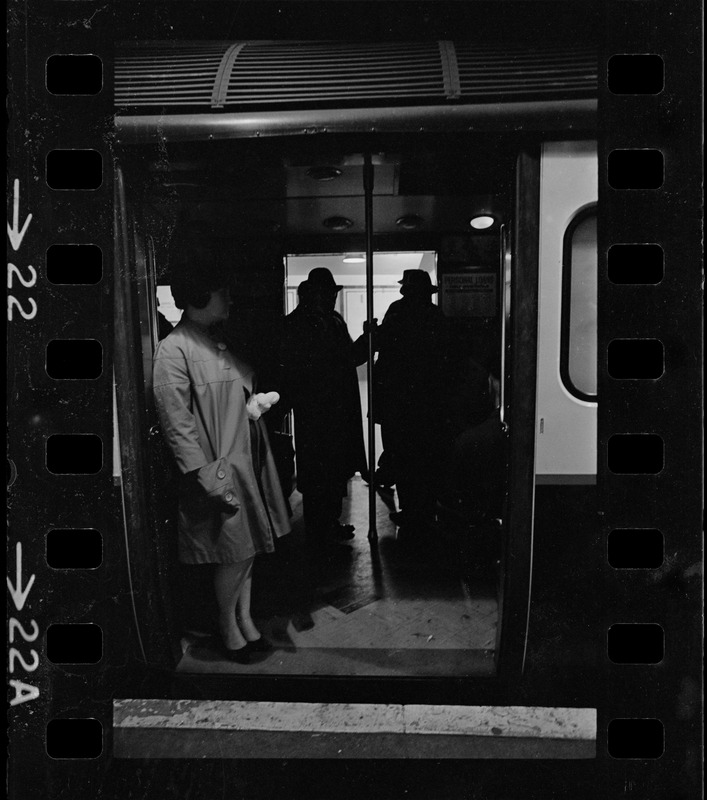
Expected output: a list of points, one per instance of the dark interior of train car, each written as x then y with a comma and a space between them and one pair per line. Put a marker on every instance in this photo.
267, 211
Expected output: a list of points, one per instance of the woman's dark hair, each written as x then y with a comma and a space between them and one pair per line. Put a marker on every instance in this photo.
193, 287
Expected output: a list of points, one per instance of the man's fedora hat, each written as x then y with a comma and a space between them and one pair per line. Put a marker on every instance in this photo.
418, 279
321, 278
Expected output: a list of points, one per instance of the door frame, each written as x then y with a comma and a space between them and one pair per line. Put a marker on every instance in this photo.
144, 529
521, 382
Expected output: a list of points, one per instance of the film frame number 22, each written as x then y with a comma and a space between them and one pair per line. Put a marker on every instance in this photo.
18, 591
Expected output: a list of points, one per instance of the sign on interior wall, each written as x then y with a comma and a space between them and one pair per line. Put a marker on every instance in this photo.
469, 294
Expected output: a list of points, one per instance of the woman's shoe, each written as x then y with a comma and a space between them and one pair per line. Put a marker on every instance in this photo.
261, 645
249, 654
240, 655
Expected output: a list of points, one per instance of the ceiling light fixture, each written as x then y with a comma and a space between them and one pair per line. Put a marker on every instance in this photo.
482, 222
323, 173
337, 223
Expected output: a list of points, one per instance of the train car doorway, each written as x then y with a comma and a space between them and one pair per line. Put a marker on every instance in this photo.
455, 213
362, 609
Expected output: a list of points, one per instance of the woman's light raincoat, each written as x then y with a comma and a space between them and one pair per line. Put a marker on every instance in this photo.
230, 502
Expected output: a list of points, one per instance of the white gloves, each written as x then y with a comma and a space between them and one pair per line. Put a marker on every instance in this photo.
259, 403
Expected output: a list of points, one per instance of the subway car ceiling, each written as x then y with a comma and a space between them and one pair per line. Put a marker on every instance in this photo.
260, 199
226, 137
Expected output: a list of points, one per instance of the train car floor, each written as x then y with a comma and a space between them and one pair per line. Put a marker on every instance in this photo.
358, 608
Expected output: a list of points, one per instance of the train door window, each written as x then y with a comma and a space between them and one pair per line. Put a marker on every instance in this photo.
578, 354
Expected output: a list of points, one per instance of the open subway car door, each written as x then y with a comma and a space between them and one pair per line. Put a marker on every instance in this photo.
142, 468
192, 157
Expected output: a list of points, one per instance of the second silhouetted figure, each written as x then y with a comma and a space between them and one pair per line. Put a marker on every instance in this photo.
319, 362
411, 380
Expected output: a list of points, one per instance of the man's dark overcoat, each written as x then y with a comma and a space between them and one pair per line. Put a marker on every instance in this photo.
410, 375
320, 382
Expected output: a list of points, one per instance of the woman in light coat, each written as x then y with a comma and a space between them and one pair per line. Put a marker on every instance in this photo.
231, 505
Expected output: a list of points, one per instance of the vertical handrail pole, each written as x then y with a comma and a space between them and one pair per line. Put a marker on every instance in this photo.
368, 198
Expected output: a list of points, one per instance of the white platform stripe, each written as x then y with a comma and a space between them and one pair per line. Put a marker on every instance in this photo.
360, 718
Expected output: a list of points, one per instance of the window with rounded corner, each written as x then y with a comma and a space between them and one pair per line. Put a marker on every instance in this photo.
578, 347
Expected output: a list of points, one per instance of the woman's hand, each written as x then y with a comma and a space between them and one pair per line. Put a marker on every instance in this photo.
216, 480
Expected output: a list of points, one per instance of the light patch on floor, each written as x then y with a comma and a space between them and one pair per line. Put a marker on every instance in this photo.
377, 614
401, 623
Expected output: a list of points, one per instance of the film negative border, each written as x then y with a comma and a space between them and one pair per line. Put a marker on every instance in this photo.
61, 497
651, 714
52, 505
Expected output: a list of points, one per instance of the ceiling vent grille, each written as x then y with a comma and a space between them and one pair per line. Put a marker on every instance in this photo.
168, 74
518, 71
246, 75
335, 72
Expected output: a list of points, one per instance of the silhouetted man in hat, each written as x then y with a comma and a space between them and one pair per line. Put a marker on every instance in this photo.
410, 374
319, 362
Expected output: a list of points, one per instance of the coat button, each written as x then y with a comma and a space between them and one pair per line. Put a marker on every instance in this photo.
228, 497
220, 474
221, 346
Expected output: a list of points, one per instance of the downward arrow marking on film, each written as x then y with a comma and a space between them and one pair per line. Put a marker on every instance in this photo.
19, 595
15, 233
